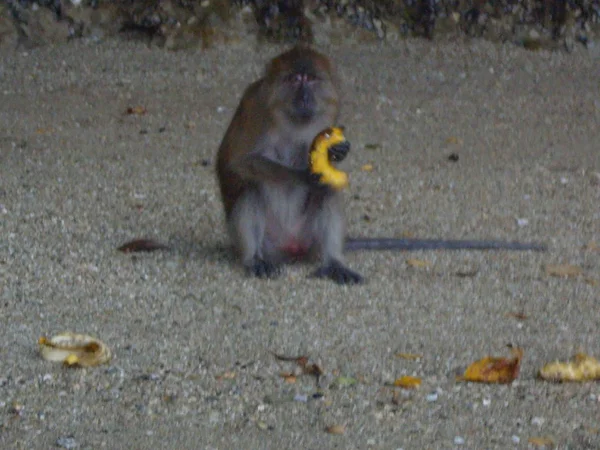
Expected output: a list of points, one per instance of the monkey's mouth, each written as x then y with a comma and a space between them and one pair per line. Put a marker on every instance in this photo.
303, 113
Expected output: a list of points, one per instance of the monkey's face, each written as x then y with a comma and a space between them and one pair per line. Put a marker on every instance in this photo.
302, 88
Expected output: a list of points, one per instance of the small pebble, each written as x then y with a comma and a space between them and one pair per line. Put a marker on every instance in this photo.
539, 421
516, 439
301, 398
432, 397
487, 402
522, 222
459, 440
67, 442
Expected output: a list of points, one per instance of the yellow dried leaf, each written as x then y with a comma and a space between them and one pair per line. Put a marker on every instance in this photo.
367, 168
419, 263
336, 429
581, 368
453, 140
541, 441
409, 356
494, 370
563, 270
74, 350
408, 382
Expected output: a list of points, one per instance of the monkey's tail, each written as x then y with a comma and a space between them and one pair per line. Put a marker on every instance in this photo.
353, 244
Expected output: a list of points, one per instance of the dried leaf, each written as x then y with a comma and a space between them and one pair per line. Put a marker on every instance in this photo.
454, 140
367, 168
581, 368
408, 382
419, 263
372, 146
313, 369
517, 315
303, 362
142, 245
592, 246
229, 375
344, 382
288, 377
541, 442
336, 429
467, 273
562, 270
494, 370
74, 350
409, 356
137, 110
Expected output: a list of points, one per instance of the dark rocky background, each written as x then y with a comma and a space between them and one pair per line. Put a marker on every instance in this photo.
179, 24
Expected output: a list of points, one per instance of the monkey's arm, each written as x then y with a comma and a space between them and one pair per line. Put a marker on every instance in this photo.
259, 168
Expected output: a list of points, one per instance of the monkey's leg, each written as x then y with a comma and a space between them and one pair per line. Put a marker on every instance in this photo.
247, 229
329, 230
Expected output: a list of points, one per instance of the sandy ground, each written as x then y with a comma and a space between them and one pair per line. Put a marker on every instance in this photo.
193, 337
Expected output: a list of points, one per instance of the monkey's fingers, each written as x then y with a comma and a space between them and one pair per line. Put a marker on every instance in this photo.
339, 151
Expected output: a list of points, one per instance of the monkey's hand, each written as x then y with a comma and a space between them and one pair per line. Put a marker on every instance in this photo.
339, 151
329, 145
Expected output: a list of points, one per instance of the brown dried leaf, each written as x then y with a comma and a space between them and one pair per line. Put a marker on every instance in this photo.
563, 270
517, 315
142, 245
303, 362
229, 375
136, 110
313, 369
494, 370
336, 429
592, 246
288, 377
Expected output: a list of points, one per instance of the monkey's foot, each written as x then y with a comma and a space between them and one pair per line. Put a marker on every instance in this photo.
339, 273
262, 269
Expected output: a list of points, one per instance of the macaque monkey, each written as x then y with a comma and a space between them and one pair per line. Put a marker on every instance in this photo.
276, 212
